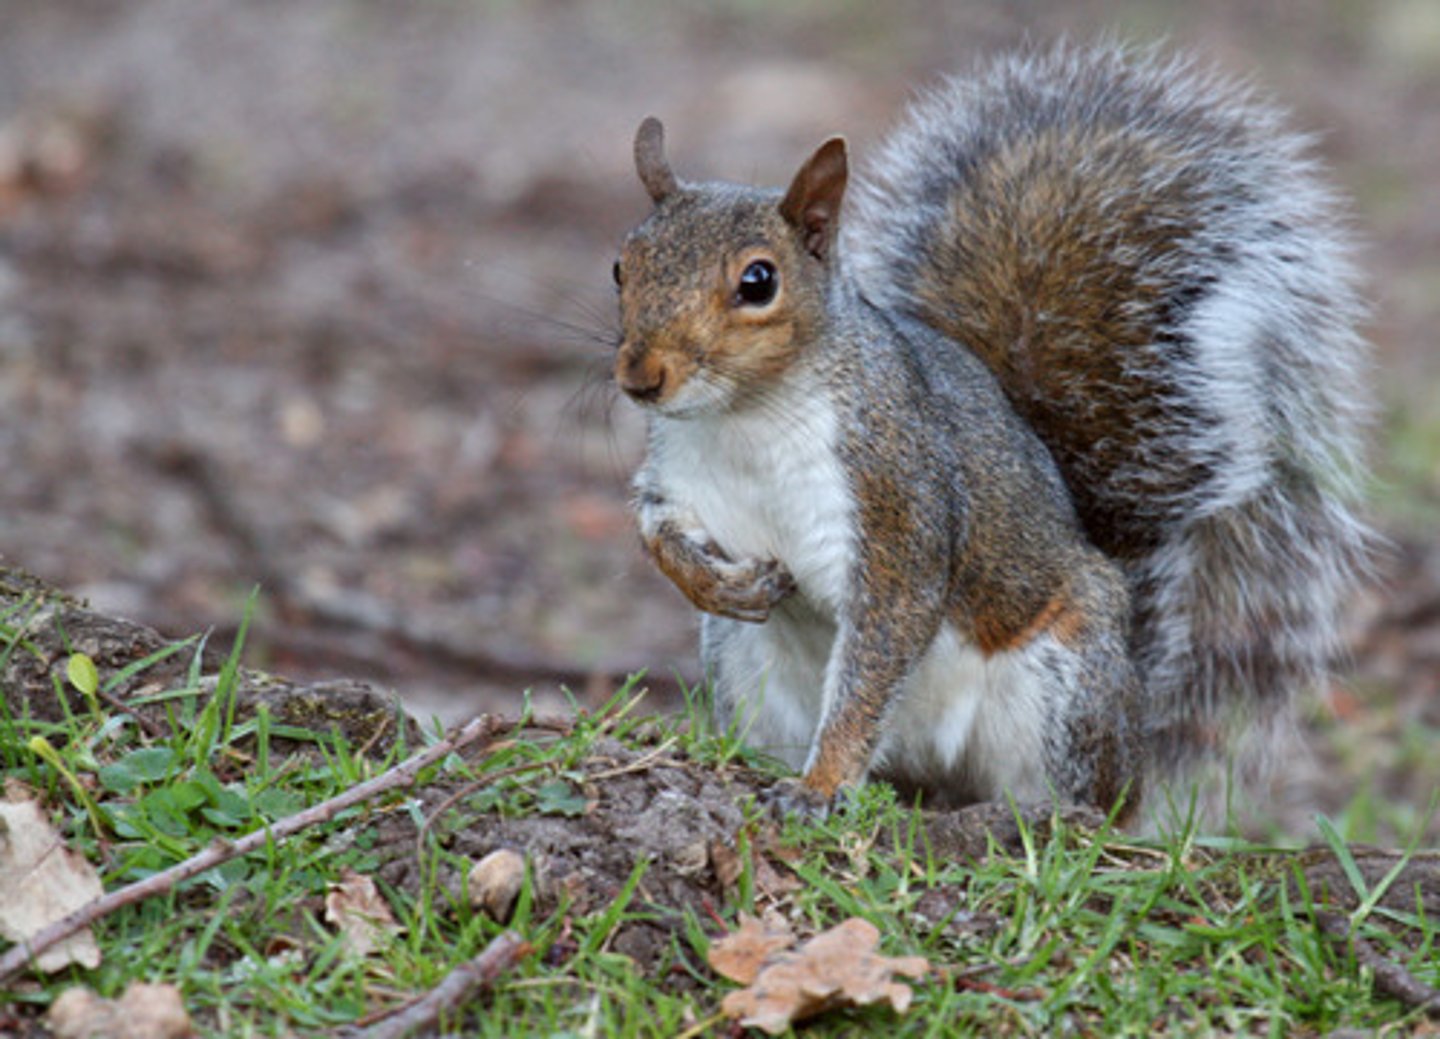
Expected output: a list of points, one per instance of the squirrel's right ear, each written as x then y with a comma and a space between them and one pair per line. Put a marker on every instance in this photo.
650, 162
812, 205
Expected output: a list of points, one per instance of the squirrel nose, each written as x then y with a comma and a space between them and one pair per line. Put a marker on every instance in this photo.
641, 382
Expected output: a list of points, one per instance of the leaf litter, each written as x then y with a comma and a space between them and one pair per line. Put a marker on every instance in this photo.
355, 907
142, 1012
42, 881
838, 967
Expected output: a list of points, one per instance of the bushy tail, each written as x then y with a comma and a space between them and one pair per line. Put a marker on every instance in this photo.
1152, 266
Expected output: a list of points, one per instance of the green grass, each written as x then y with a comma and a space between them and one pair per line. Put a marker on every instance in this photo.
1078, 932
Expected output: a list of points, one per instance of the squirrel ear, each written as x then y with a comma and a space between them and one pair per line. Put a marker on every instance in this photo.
650, 161
812, 205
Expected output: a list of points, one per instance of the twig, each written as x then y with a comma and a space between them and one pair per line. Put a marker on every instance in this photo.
558, 724
1390, 977
701, 1027
150, 728
484, 727
487, 780
973, 984
474, 974
638, 765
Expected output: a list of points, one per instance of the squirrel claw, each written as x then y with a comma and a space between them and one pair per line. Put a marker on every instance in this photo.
747, 591
790, 796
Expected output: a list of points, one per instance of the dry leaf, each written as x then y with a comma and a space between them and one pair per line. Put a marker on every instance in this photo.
739, 955
355, 907
771, 882
43, 881
941, 905
838, 967
142, 1012
730, 864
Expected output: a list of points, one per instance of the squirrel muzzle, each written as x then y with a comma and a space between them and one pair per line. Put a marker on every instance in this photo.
640, 374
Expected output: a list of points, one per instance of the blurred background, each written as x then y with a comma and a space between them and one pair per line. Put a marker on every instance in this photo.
316, 296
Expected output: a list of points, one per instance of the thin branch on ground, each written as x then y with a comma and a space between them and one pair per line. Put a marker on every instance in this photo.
487, 780
485, 727
550, 723
1390, 977
148, 726
472, 976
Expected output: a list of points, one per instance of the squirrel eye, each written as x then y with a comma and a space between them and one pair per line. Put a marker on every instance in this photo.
759, 282
615, 273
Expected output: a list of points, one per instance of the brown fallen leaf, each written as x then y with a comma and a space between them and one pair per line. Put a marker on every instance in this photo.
142, 1012
740, 954
838, 967
729, 865
355, 908
771, 882
43, 881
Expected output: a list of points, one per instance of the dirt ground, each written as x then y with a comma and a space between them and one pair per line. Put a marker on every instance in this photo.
316, 297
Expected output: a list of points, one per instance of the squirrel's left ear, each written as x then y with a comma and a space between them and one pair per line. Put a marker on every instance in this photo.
812, 205
650, 161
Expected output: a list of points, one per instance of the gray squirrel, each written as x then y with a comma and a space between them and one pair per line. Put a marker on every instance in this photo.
1020, 466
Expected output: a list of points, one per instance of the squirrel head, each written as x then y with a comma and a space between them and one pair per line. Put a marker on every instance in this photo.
722, 287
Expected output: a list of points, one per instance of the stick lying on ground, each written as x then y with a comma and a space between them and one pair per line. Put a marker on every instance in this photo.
477, 973
1391, 978
485, 727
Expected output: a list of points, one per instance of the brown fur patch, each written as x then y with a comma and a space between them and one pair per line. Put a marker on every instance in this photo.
996, 633
845, 747
827, 776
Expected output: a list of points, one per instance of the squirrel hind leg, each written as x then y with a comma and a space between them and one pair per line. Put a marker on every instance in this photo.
1094, 748
1051, 719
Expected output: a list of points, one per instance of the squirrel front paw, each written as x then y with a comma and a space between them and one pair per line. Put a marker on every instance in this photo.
790, 796
745, 591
